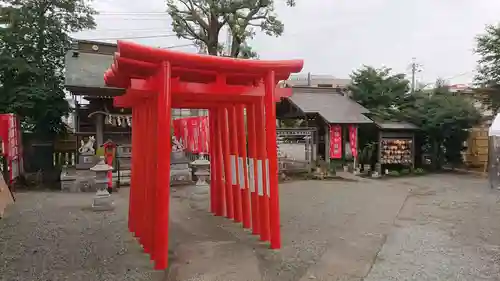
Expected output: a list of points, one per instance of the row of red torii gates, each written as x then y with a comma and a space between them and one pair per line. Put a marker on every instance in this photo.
243, 183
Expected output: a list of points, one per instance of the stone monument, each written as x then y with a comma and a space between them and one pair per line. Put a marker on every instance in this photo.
86, 154
102, 200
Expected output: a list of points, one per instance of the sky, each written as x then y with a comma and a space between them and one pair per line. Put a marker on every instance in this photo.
335, 37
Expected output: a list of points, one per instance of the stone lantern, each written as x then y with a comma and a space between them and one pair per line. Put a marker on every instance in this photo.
201, 189
102, 199
201, 167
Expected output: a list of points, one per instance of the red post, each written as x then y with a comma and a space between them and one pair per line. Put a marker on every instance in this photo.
243, 166
261, 171
219, 161
137, 171
133, 179
213, 160
253, 173
272, 155
164, 149
233, 139
224, 133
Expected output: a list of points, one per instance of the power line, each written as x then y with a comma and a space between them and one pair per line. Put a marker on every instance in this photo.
127, 29
133, 37
131, 13
141, 19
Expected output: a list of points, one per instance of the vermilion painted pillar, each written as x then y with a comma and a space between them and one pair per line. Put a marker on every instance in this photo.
252, 171
243, 166
224, 132
146, 242
272, 155
164, 149
219, 160
138, 171
261, 171
213, 161
233, 146
153, 173
132, 209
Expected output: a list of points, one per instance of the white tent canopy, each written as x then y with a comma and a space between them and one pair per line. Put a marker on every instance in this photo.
495, 127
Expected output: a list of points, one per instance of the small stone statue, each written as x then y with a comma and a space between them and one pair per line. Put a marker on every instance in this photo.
88, 147
176, 145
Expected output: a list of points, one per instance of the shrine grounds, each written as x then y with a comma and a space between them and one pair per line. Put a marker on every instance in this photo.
436, 227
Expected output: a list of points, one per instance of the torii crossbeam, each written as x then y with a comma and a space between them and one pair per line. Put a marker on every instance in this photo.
243, 184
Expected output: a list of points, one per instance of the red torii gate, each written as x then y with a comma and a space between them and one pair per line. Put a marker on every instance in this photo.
243, 185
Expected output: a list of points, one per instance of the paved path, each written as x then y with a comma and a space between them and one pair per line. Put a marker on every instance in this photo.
440, 227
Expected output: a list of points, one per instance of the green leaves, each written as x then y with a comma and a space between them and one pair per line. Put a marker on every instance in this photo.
202, 20
32, 50
443, 117
488, 71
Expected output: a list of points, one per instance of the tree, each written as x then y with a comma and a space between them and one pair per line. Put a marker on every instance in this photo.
488, 75
378, 90
443, 118
32, 51
202, 20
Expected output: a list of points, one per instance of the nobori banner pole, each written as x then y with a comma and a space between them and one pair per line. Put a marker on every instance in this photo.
252, 170
227, 162
243, 165
164, 149
262, 171
272, 156
233, 139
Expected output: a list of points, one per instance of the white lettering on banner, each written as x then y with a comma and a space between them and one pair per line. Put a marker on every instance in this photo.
233, 170
251, 176
268, 184
241, 171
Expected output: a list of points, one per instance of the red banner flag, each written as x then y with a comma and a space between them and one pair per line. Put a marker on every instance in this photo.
335, 141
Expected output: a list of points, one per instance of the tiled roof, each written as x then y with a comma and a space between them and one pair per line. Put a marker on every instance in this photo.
332, 106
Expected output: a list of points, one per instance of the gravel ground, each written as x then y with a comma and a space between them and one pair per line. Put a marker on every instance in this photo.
448, 230
441, 227
55, 236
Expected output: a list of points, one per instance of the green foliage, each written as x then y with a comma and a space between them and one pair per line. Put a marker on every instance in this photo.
405, 172
394, 173
32, 49
201, 21
378, 90
443, 117
488, 71
419, 171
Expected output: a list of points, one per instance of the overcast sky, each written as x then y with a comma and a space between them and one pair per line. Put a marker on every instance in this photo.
337, 36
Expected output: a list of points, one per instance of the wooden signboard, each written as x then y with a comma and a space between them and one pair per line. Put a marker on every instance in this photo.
6, 197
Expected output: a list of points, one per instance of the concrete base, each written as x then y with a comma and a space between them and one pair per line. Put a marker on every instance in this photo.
102, 201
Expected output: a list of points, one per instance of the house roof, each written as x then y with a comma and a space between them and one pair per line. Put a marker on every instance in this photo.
396, 126
332, 106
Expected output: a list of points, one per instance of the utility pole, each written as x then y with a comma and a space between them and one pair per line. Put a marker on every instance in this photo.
415, 67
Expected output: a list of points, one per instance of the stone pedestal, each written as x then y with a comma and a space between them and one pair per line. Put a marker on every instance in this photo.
85, 161
201, 190
102, 200
179, 168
